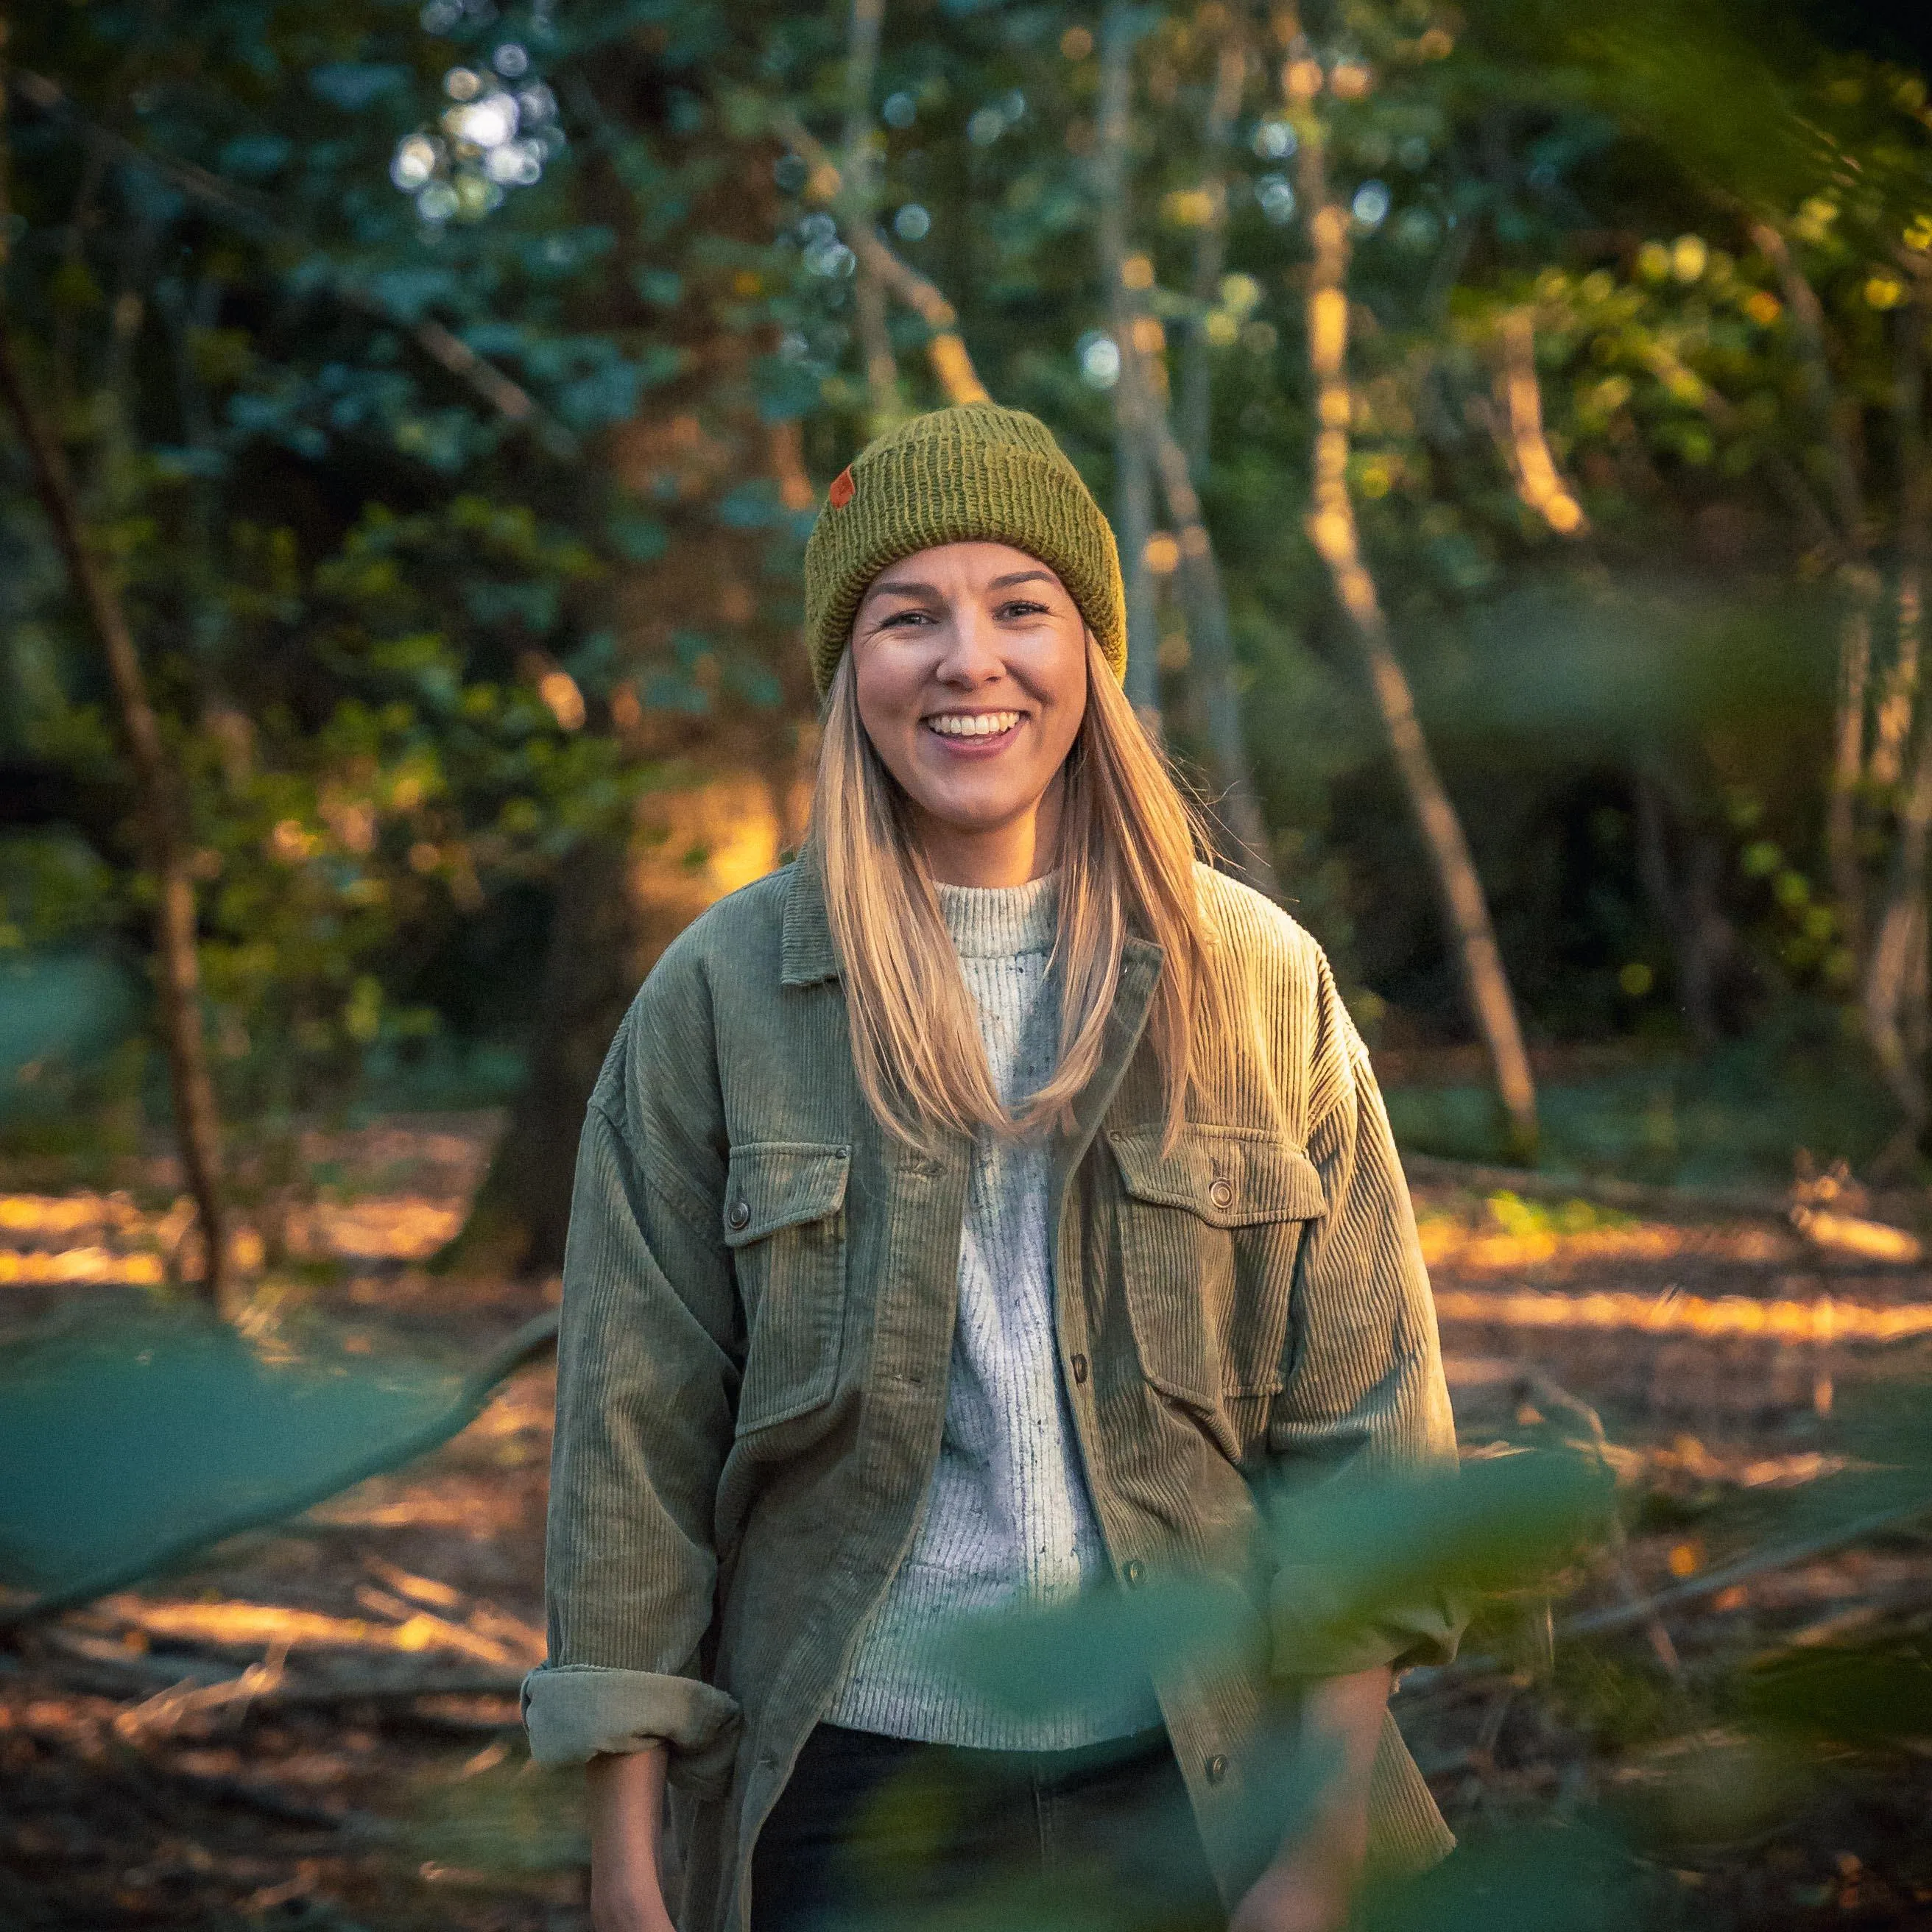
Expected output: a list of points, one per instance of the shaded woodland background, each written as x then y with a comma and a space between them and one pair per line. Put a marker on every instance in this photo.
1515, 423
1515, 418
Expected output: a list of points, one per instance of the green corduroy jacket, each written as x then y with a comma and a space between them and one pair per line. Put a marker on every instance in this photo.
758, 1306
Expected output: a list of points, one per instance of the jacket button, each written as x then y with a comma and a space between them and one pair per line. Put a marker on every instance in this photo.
1221, 1192
1080, 1368
740, 1214
1217, 1768
1133, 1570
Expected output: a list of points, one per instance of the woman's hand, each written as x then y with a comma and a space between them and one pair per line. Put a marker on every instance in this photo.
1310, 1886
625, 1800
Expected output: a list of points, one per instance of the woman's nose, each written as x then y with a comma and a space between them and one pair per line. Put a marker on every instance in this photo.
972, 654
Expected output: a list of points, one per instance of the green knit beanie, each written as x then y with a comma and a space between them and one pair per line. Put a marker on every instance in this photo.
974, 473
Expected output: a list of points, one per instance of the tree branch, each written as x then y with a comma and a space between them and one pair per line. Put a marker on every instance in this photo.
946, 348
1538, 480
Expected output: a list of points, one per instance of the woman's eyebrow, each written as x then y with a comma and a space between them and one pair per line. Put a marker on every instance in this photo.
899, 588
1024, 577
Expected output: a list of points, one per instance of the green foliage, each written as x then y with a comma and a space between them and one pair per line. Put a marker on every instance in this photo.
130, 1444
418, 368
60, 1013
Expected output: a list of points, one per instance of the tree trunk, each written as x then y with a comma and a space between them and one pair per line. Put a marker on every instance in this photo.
177, 961
1141, 403
869, 292
1898, 698
1238, 799
1859, 582
1895, 1019
1848, 763
1133, 487
1900, 932
1133, 523
1333, 531
1196, 414
1689, 912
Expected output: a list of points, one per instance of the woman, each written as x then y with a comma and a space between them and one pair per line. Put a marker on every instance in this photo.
965, 1214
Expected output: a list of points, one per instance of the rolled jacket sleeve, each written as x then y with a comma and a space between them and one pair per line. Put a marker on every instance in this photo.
648, 1366
575, 1712
1363, 1392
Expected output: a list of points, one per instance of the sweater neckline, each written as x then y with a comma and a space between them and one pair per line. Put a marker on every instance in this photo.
1001, 922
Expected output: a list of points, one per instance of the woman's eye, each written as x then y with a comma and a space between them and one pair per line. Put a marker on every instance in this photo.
1022, 607
899, 617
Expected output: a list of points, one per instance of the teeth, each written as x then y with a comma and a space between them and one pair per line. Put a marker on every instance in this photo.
973, 724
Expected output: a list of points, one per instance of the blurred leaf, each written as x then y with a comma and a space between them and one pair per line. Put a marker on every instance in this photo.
512, 1818
1537, 1879
1866, 1695
1351, 1550
56, 1009
124, 1446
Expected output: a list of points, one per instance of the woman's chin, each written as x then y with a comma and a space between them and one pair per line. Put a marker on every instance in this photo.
967, 809
971, 820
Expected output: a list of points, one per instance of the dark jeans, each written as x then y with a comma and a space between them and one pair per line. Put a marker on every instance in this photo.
881, 1833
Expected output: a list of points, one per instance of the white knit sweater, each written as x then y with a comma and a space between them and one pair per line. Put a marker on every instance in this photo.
1008, 1520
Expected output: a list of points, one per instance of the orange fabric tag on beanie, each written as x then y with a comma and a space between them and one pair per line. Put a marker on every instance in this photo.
840, 494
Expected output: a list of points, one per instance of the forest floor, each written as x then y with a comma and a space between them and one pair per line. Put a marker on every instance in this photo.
149, 1780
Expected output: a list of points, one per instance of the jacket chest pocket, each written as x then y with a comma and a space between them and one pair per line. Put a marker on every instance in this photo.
1210, 1232
785, 1222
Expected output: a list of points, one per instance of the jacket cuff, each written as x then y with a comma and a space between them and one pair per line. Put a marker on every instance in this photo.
576, 1711
1315, 1636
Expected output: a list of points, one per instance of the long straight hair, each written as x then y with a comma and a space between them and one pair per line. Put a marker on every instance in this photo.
1128, 844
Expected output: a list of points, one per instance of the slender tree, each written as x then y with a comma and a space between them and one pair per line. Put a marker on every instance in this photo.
868, 291
1144, 372
177, 956
1333, 530
1195, 416
1133, 475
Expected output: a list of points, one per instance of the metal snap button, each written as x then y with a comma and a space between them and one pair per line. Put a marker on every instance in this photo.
1080, 1368
1133, 1570
1217, 1768
1221, 1192
740, 1215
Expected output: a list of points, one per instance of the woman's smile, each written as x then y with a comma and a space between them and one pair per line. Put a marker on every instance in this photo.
974, 734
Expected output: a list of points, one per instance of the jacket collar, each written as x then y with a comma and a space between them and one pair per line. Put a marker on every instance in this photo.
807, 956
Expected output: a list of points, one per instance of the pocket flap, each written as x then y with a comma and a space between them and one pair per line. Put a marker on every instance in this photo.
1231, 1176
775, 1184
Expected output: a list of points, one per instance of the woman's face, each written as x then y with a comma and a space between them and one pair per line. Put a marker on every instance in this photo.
970, 668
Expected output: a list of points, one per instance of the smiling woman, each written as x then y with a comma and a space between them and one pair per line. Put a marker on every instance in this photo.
967, 1216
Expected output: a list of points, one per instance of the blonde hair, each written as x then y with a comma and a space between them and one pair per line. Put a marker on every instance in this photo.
1128, 843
